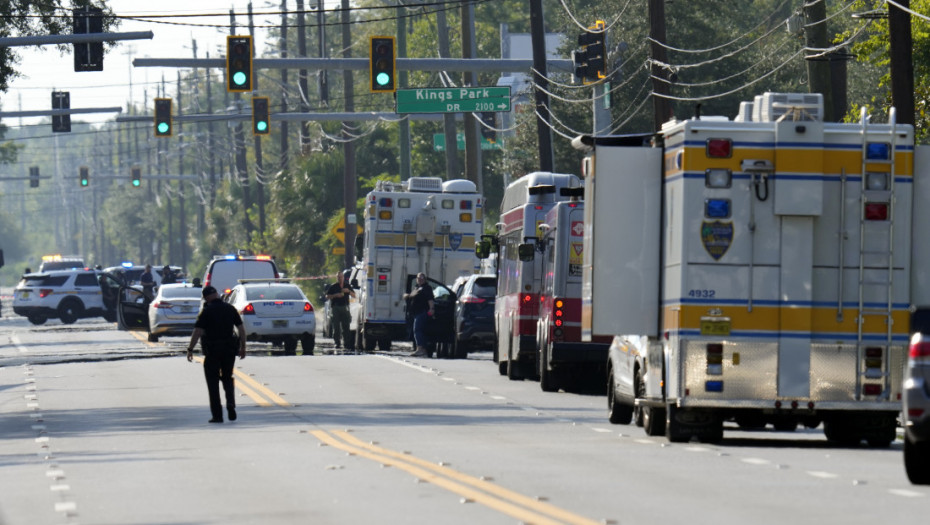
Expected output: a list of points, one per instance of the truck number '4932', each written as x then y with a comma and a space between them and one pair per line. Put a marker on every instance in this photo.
706, 294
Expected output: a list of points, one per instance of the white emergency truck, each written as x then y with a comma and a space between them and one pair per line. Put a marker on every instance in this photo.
757, 271
423, 224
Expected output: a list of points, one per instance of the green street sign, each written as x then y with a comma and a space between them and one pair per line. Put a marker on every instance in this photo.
453, 100
439, 142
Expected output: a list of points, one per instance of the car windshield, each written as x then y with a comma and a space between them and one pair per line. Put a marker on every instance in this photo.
180, 292
269, 293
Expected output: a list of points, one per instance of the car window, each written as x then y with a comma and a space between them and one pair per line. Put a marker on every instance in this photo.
225, 274
180, 292
485, 287
86, 279
442, 294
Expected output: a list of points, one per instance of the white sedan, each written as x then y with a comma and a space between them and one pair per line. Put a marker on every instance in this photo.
275, 311
174, 310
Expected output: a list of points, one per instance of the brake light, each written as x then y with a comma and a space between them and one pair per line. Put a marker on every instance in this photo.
45, 292
527, 298
472, 299
872, 389
248, 310
162, 304
876, 211
206, 280
308, 307
559, 313
920, 348
715, 361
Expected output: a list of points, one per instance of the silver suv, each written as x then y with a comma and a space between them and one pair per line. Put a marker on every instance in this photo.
917, 403
68, 295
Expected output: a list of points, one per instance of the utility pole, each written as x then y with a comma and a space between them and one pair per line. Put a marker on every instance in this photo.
282, 47
348, 179
662, 107
182, 213
818, 68
302, 76
211, 156
472, 138
321, 34
402, 77
259, 166
448, 119
902, 63
201, 212
538, 41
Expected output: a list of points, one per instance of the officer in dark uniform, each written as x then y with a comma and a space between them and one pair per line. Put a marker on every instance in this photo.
215, 326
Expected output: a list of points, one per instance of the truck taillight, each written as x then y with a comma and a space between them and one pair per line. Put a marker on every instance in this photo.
527, 298
872, 389
720, 148
715, 359
248, 310
876, 211
308, 307
45, 292
873, 362
920, 348
558, 312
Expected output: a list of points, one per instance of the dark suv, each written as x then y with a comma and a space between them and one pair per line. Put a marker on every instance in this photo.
474, 313
916, 400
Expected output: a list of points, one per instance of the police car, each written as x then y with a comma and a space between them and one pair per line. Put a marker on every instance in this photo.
275, 311
67, 295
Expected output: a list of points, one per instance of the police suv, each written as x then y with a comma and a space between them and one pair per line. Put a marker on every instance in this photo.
67, 295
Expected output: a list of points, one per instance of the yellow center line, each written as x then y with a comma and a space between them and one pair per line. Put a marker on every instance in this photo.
524, 508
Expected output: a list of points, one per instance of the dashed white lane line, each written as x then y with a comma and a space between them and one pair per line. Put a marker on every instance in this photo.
755, 461
821, 474
18, 344
906, 493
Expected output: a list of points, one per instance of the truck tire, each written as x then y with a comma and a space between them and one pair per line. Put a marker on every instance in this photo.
70, 310
653, 421
639, 389
675, 431
617, 413
917, 461
548, 380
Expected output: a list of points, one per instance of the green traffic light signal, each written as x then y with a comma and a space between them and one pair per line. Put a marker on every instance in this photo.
85, 175
136, 174
382, 64
162, 117
239, 64
260, 116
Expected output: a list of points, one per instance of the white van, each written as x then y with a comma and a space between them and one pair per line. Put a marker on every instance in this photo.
224, 271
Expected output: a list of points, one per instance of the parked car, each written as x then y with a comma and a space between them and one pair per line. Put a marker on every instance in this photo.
474, 313
67, 295
61, 262
173, 310
275, 311
224, 271
916, 402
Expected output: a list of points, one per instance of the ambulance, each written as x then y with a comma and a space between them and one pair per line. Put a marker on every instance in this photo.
564, 361
423, 224
756, 271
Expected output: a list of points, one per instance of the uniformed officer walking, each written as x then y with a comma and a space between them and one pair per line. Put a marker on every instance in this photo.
214, 329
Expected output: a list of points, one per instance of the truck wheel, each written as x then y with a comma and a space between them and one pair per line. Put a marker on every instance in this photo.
617, 413
653, 421
370, 342
640, 392
290, 346
70, 310
547, 378
675, 431
384, 344
37, 319
502, 368
917, 461
307, 342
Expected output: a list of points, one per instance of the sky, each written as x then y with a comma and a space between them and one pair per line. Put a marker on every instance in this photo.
45, 69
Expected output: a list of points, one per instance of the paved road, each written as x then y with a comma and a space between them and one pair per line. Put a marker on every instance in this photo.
99, 426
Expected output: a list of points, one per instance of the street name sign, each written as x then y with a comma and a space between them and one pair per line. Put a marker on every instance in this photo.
453, 100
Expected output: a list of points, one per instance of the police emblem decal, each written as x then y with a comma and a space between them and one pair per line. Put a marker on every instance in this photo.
716, 237
455, 240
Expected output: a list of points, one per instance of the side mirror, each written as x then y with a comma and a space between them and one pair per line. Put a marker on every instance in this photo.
526, 251
483, 249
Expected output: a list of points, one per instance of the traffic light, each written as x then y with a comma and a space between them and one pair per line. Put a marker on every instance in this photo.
85, 176
162, 117
382, 64
261, 120
33, 176
136, 175
590, 59
61, 100
489, 129
88, 56
238, 64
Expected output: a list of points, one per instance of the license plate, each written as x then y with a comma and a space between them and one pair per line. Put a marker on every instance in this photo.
187, 309
279, 323
715, 327
25, 295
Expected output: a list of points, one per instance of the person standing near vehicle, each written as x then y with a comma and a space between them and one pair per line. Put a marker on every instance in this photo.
420, 308
148, 282
338, 294
214, 329
167, 275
